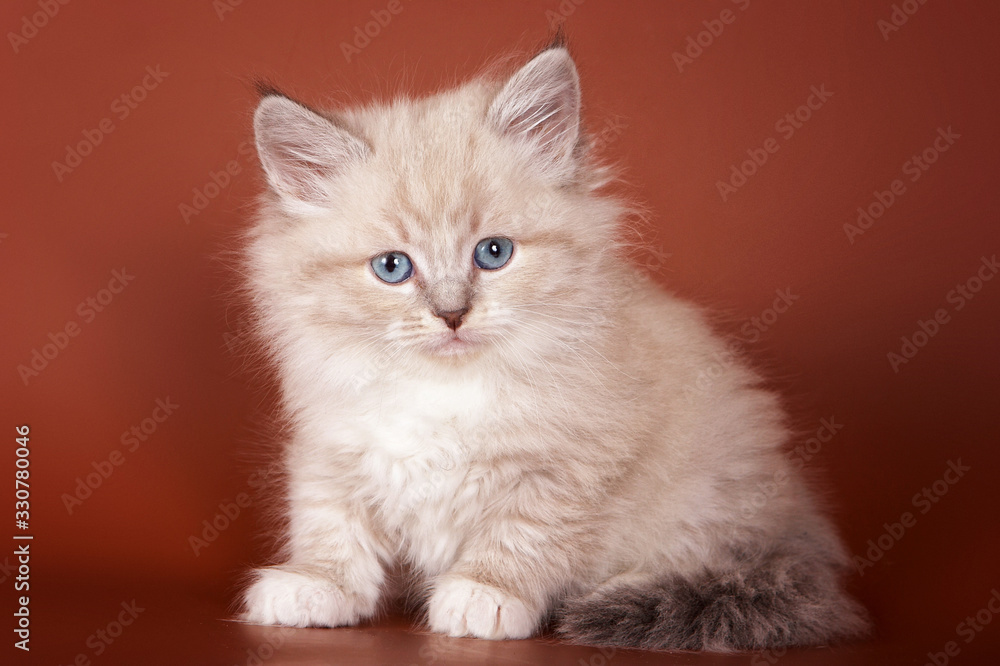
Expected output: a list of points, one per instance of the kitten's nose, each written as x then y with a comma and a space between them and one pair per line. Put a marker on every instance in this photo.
452, 317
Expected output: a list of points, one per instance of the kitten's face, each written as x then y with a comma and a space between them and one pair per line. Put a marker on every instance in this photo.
448, 228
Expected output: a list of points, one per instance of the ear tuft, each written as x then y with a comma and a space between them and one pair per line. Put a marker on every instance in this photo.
540, 105
265, 88
300, 150
559, 40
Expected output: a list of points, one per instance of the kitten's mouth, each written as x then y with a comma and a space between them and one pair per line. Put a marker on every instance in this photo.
452, 345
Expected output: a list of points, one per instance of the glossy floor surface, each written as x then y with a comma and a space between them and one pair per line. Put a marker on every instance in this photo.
144, 622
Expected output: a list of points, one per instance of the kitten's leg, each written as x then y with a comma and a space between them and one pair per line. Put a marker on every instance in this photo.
334, 573
464, 606
509, 573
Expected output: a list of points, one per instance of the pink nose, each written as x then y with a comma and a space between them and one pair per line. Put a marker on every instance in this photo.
453, 318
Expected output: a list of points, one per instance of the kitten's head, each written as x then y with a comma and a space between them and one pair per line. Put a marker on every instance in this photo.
443, 229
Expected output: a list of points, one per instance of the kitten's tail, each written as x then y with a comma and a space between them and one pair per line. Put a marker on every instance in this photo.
777, 599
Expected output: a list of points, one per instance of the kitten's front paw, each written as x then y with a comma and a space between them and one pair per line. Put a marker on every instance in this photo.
462, 607
298, 598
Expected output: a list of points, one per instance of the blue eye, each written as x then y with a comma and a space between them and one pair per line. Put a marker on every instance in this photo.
392, 267
493, 253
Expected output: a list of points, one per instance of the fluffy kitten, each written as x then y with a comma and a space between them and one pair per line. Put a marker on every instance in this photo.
478, 385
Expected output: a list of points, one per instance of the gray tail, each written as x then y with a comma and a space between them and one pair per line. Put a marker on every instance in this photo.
768, 601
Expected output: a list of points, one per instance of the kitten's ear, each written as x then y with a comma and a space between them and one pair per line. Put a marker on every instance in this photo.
541, 105
301, 150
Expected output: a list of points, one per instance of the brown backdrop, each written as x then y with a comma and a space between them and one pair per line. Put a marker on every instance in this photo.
125, 176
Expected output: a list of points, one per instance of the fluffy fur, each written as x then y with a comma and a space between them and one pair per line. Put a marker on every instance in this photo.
566, 451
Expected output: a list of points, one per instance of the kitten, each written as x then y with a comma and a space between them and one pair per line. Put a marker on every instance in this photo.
479, 386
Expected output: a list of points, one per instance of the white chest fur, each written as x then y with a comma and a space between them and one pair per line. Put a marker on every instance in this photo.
417, 441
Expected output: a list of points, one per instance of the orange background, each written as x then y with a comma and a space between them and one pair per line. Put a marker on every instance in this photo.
166, 335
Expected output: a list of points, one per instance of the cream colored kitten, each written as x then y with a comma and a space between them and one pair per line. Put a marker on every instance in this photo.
479, 386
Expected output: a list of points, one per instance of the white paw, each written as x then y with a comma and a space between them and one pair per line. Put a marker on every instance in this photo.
461, 607
300, 599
